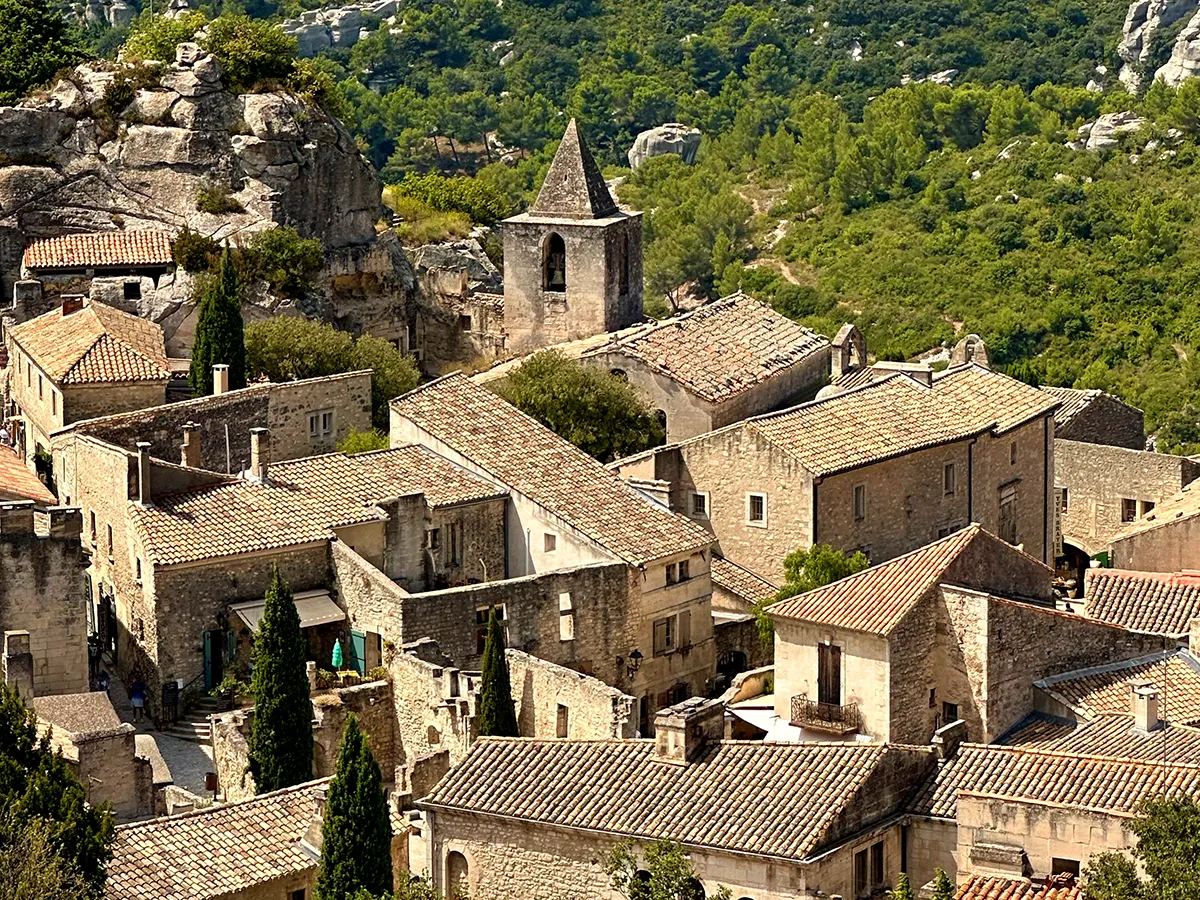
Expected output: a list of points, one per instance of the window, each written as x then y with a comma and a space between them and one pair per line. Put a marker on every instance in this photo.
433, 539
92, 522
1012, 453
948, 479
1063, 500
456, 543
133, 290
944, 531
860, 502
756, 510
138, 569
700, 504
314, 425
562, 725
683, 570
1064, 866
1145, 506
554, 268
456, 874
829, 674
672, 632
1008, 513
868, 870
877, 865
933, 698
110, 541
549, 542
566, 618
464, 323
41, 385
618, 374
677, 693
28, 375
1128, 509
481, 624
320, 423
53, 403
949, 713
297, 895
671, 578
327, 423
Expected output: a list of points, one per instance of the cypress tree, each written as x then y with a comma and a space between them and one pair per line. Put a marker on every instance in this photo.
281, 741
497, 715
943, 887
219, 331
356, 833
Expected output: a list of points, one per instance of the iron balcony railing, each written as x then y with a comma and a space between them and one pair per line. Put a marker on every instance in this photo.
824, 716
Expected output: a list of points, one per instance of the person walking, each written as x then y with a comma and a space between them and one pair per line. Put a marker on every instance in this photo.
137, 696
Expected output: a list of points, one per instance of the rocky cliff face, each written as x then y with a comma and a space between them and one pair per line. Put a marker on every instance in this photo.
67, 163
1142, 22
1185, 55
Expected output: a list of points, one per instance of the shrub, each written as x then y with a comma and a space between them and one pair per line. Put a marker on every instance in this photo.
313, 84
477, 199
421, 223
326, 680
378, 673
118, 95
194, 252
155, 37
392, 374
216, 199
363, 442
250, 51
287, 261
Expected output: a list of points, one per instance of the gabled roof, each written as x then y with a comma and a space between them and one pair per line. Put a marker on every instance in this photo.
574, 187
300, 503
877, 599
17, 482
741, 582
81, 714
510, 447
1104, 689
1105, 784
744, 796
722, 349
985, 395
995, 887
1111, 734
1155, 602
872, 423
99, 250
1072, 401
95, 344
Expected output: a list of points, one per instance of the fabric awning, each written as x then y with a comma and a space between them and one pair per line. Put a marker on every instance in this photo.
315, 608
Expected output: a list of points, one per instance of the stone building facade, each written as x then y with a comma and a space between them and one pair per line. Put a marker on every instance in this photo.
1165, 539
573, 262
42, 565
1097, 417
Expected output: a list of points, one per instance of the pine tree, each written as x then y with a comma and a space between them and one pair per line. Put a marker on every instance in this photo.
356, 833
281, 742
943, 888
219, 331
497, 715
903, 890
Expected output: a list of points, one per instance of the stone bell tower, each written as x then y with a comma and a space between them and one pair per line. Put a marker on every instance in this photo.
573, 262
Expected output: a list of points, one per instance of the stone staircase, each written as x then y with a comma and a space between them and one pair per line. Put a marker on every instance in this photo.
195, 726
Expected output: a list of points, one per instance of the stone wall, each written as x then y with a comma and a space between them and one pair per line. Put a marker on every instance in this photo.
1106, 420
1032, 474
931, 846
733, 636
87, 401
371, 703
1098, 478
552, 698
107, 764
1167, 547
42, 592
231, 754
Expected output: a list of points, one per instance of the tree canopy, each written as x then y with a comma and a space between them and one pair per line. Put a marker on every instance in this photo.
281, 741
219, 331
599, 413
805, 570
671, 876
44, 807
1168, 849
37, 43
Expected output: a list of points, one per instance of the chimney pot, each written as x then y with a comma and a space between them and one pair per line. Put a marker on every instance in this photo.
1194, 636
190, 452
1145, 707
260, 453
71, 305
220, 379
143, 449
682, 731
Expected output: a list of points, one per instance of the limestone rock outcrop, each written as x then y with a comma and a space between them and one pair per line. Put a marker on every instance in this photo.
1143, 19
669, 138
340, 26
1102, 134
465, 258
1185, 55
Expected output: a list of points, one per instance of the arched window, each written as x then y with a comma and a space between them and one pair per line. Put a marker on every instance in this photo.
456, 874
554, 265
618, 374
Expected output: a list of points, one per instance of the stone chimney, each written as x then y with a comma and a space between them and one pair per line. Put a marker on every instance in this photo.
143, 449
71, 305
260, 453
948, 738
311, 841
1194, 636
17, 518
220, 379
1144, 706
65, 521
189, 453
18, 663
682, 731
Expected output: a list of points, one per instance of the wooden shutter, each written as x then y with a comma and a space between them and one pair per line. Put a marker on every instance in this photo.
829, 674
685, 628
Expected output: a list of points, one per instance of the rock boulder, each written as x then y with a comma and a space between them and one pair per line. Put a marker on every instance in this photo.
1185, 55
670, 138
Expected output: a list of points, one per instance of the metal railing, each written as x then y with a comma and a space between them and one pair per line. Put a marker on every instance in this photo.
824, 716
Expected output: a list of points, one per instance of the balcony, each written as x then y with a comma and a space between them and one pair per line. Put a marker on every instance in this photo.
827, 717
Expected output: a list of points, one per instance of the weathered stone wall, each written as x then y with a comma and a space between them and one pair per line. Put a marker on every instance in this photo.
1106, 420
1045, 832
42, 592
1098, 477
1033, 476
906, 504
371, 703
35, 396
593, 710
741, 636
1169, 547
231, 754
919, 679
113, 773
373, 602
92, 400
931, 846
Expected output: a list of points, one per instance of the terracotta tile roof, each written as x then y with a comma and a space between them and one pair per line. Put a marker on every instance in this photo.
723, 349
992, 887
988, 396
1108, 735
1050, 777
1157, 602
95, 344
858, 377
1072, 402
214, 852
875, 600
518, 452
99, 250
17, 482
84, 713
746, 796
300, 503
1106, 689
875, 422
741, 582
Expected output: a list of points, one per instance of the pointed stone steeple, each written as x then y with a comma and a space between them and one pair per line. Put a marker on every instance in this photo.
574, 187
